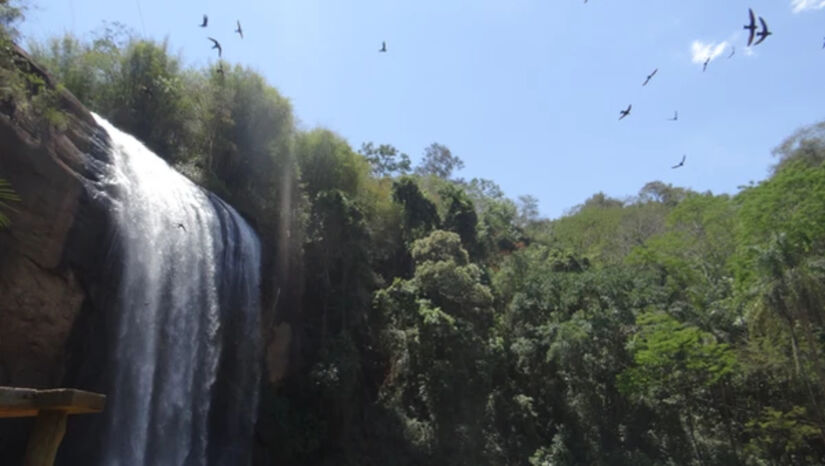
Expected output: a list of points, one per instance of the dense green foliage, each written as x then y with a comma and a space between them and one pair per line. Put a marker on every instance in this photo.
435, 321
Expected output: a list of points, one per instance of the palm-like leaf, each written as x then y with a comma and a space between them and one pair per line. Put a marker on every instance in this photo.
6, 195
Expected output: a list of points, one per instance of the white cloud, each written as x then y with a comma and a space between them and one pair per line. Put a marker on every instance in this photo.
702, 51
802, 5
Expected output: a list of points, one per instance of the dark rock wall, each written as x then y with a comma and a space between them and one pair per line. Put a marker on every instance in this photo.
51, 255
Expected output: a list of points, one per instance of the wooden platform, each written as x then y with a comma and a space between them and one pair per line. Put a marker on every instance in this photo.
52, 407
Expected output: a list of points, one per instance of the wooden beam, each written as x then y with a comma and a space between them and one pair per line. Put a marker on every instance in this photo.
45, 439
27, 402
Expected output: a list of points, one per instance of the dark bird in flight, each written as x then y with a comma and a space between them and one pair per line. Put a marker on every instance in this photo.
682, 163
732, 52
625, 112
823, 43
205, 20
675, 116
217, 45
764, 33
705, 65
239, 30
751, 27
651, 75
180, 225
383, 46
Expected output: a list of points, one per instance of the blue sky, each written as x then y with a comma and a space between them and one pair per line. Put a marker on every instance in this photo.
526, 92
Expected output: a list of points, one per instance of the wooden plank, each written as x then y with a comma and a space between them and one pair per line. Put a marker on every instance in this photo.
45, 439
27, 402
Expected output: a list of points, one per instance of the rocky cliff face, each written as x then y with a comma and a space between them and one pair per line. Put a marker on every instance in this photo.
51, 255
50, 248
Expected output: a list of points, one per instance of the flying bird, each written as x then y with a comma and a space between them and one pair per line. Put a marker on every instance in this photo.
675, 116
205, 20
823, 43
682, 163
705, 65
217, 45
751, 27
651, 75
180, 225
732, 52
239, 30
383, 46
625, 112
764, 33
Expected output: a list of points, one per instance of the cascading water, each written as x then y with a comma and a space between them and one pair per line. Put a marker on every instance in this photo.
186, 344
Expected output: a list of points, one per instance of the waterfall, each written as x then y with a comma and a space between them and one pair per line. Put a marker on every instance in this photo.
186, 337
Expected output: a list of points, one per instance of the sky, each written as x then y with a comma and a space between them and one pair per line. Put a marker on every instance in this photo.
526, 92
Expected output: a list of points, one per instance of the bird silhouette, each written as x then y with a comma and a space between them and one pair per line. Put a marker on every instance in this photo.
705, 65
205, 21
625, 112
239, 30
383, 46
764, 33
682, 163
823, 43
180, 225
732, 52
217, 45
751, 27
675, 116
651, 75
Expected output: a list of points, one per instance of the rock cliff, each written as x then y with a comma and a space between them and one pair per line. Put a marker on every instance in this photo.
54, 230
50, 256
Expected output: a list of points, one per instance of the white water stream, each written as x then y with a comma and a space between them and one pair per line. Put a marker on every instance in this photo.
186, 349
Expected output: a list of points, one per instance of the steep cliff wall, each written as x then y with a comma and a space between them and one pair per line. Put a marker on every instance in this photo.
50, 256
55, 230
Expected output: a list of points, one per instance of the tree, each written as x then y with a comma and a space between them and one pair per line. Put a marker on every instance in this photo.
11, 12
806, 145
460, 216
437, 326
656, 191
439, 161
693, 251
420, 214
528, 209
385, 159
328, 162
793, 288
675, 365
